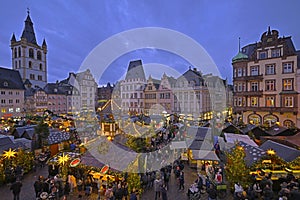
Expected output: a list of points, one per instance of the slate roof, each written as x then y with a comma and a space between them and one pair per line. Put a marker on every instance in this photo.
19, 131
285, 152
201, 138
10, 79
232, 138
192, 75
278, 130
53, 88
253, 153
6, 142
57, 137
28, 31
135, 70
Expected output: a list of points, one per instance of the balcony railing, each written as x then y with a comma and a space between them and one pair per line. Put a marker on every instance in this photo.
249, 93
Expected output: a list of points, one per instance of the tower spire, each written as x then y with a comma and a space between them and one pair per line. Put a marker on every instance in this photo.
28, 31
239, 44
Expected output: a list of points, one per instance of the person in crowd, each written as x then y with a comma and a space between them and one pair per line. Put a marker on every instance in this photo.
66, 191
16, 189
157, 187
212, 192
181, 181
257, 190
38, 186
163, 190
238, 190
133, 195
109, 193
118, 193
268, 193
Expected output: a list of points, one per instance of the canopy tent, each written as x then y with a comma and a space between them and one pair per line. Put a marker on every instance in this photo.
204, 155
178, 145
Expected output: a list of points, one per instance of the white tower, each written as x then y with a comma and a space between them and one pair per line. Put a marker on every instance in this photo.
28, 57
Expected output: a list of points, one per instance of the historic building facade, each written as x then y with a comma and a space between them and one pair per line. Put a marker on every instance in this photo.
29, 58
11, 93
266, 81
132, 89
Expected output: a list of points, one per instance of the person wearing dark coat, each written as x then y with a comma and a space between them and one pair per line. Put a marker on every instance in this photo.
38, 187
16, 189
164, 192
133, 196
66, 190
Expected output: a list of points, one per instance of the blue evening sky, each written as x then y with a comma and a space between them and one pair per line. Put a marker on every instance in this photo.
73, 28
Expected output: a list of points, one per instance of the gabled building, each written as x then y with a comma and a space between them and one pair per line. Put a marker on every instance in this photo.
84, 83
11, 93
151, 97
132, 88
266, 81
166, 94
192, 95
28, 57
57, 98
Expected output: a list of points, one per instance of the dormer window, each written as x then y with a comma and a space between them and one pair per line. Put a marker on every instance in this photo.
55, 89
275, 53
262, 55
5, 84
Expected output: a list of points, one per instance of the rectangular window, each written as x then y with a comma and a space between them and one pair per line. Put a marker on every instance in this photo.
10, 101
288, 101
270, 69
10, 92
240, 101
10, 110
270, 85
3, 92
287, 68
3, 110
240, 72
254, 101
254, 71
254, 86
3, 101
262, 55
270, 101
287, 84
40, 78
31, 76
275, 53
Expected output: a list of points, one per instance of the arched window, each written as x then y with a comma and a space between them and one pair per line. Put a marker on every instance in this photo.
30, 64
41, 67
288, 123
254, 119
270, 119
31, 54
19, 51
15, 52
16, 64
39, 55
19, 63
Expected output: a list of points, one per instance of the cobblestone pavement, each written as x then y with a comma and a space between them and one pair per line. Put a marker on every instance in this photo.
27, 192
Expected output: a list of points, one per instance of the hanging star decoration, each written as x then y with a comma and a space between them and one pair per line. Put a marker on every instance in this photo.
9, 154
63, 159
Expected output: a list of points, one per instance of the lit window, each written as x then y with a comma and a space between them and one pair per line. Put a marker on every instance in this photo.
270, 69
3, 110
287, 84
270, 101
10, 110
288, 68
254, 101
288, 101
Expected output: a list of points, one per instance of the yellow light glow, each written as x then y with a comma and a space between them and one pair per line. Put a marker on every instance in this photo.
271, 152
109, 138
63, 159
9, 154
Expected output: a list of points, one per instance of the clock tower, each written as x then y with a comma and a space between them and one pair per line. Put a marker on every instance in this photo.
29, 58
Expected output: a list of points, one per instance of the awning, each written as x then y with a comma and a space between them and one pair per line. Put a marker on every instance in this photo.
178, 145
204, 155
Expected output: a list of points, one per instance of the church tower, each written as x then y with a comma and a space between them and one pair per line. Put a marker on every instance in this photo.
29, 58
